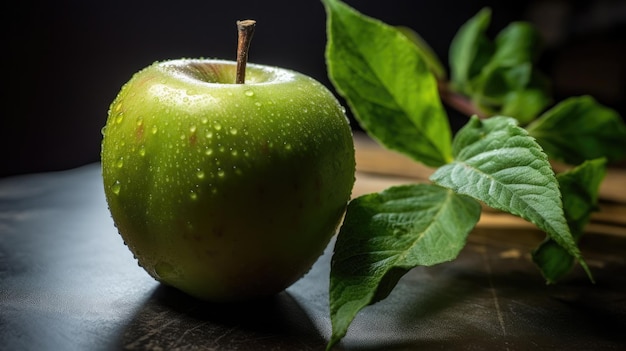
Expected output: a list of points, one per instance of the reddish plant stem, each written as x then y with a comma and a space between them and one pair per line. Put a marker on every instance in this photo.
245, 30
458, 102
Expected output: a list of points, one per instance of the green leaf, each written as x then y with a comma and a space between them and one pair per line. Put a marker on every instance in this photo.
580, 129
498, 81
470, 51
512, 91
509, 84
386, 234
525, 104
427, 53
580, 187
499, 77
498, 163
518, 43
387, 84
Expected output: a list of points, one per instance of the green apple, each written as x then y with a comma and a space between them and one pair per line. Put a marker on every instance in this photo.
226, 191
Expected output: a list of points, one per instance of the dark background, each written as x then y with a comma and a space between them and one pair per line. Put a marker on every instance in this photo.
64, 61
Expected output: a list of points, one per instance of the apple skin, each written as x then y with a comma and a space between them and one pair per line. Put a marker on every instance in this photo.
226, 191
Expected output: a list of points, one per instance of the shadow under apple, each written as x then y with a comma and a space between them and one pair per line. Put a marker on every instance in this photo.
170, 319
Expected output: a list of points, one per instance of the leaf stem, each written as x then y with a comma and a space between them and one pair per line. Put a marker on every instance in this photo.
458, 101
245, 30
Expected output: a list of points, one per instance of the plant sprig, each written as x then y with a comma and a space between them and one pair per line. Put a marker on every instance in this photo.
396, 88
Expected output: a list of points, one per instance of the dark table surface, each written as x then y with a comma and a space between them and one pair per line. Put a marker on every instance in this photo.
67, 282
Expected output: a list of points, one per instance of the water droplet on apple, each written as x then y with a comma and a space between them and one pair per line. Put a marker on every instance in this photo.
192, 129
204, 120
142, 151
116, 187
220, 173
233, 152
258, 104
305, 110
200, 174
233, 131
120, 162
287, 146
209, 134
155, 129
217, 126
209, 151
103, 130
193, 195
164, 270
119, 118
249, 93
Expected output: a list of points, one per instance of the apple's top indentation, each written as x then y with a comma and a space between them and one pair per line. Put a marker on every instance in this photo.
222, 72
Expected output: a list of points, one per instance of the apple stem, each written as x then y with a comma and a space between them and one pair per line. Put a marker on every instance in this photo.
245, 29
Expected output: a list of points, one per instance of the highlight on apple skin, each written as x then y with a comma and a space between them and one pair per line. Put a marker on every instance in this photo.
226, 191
